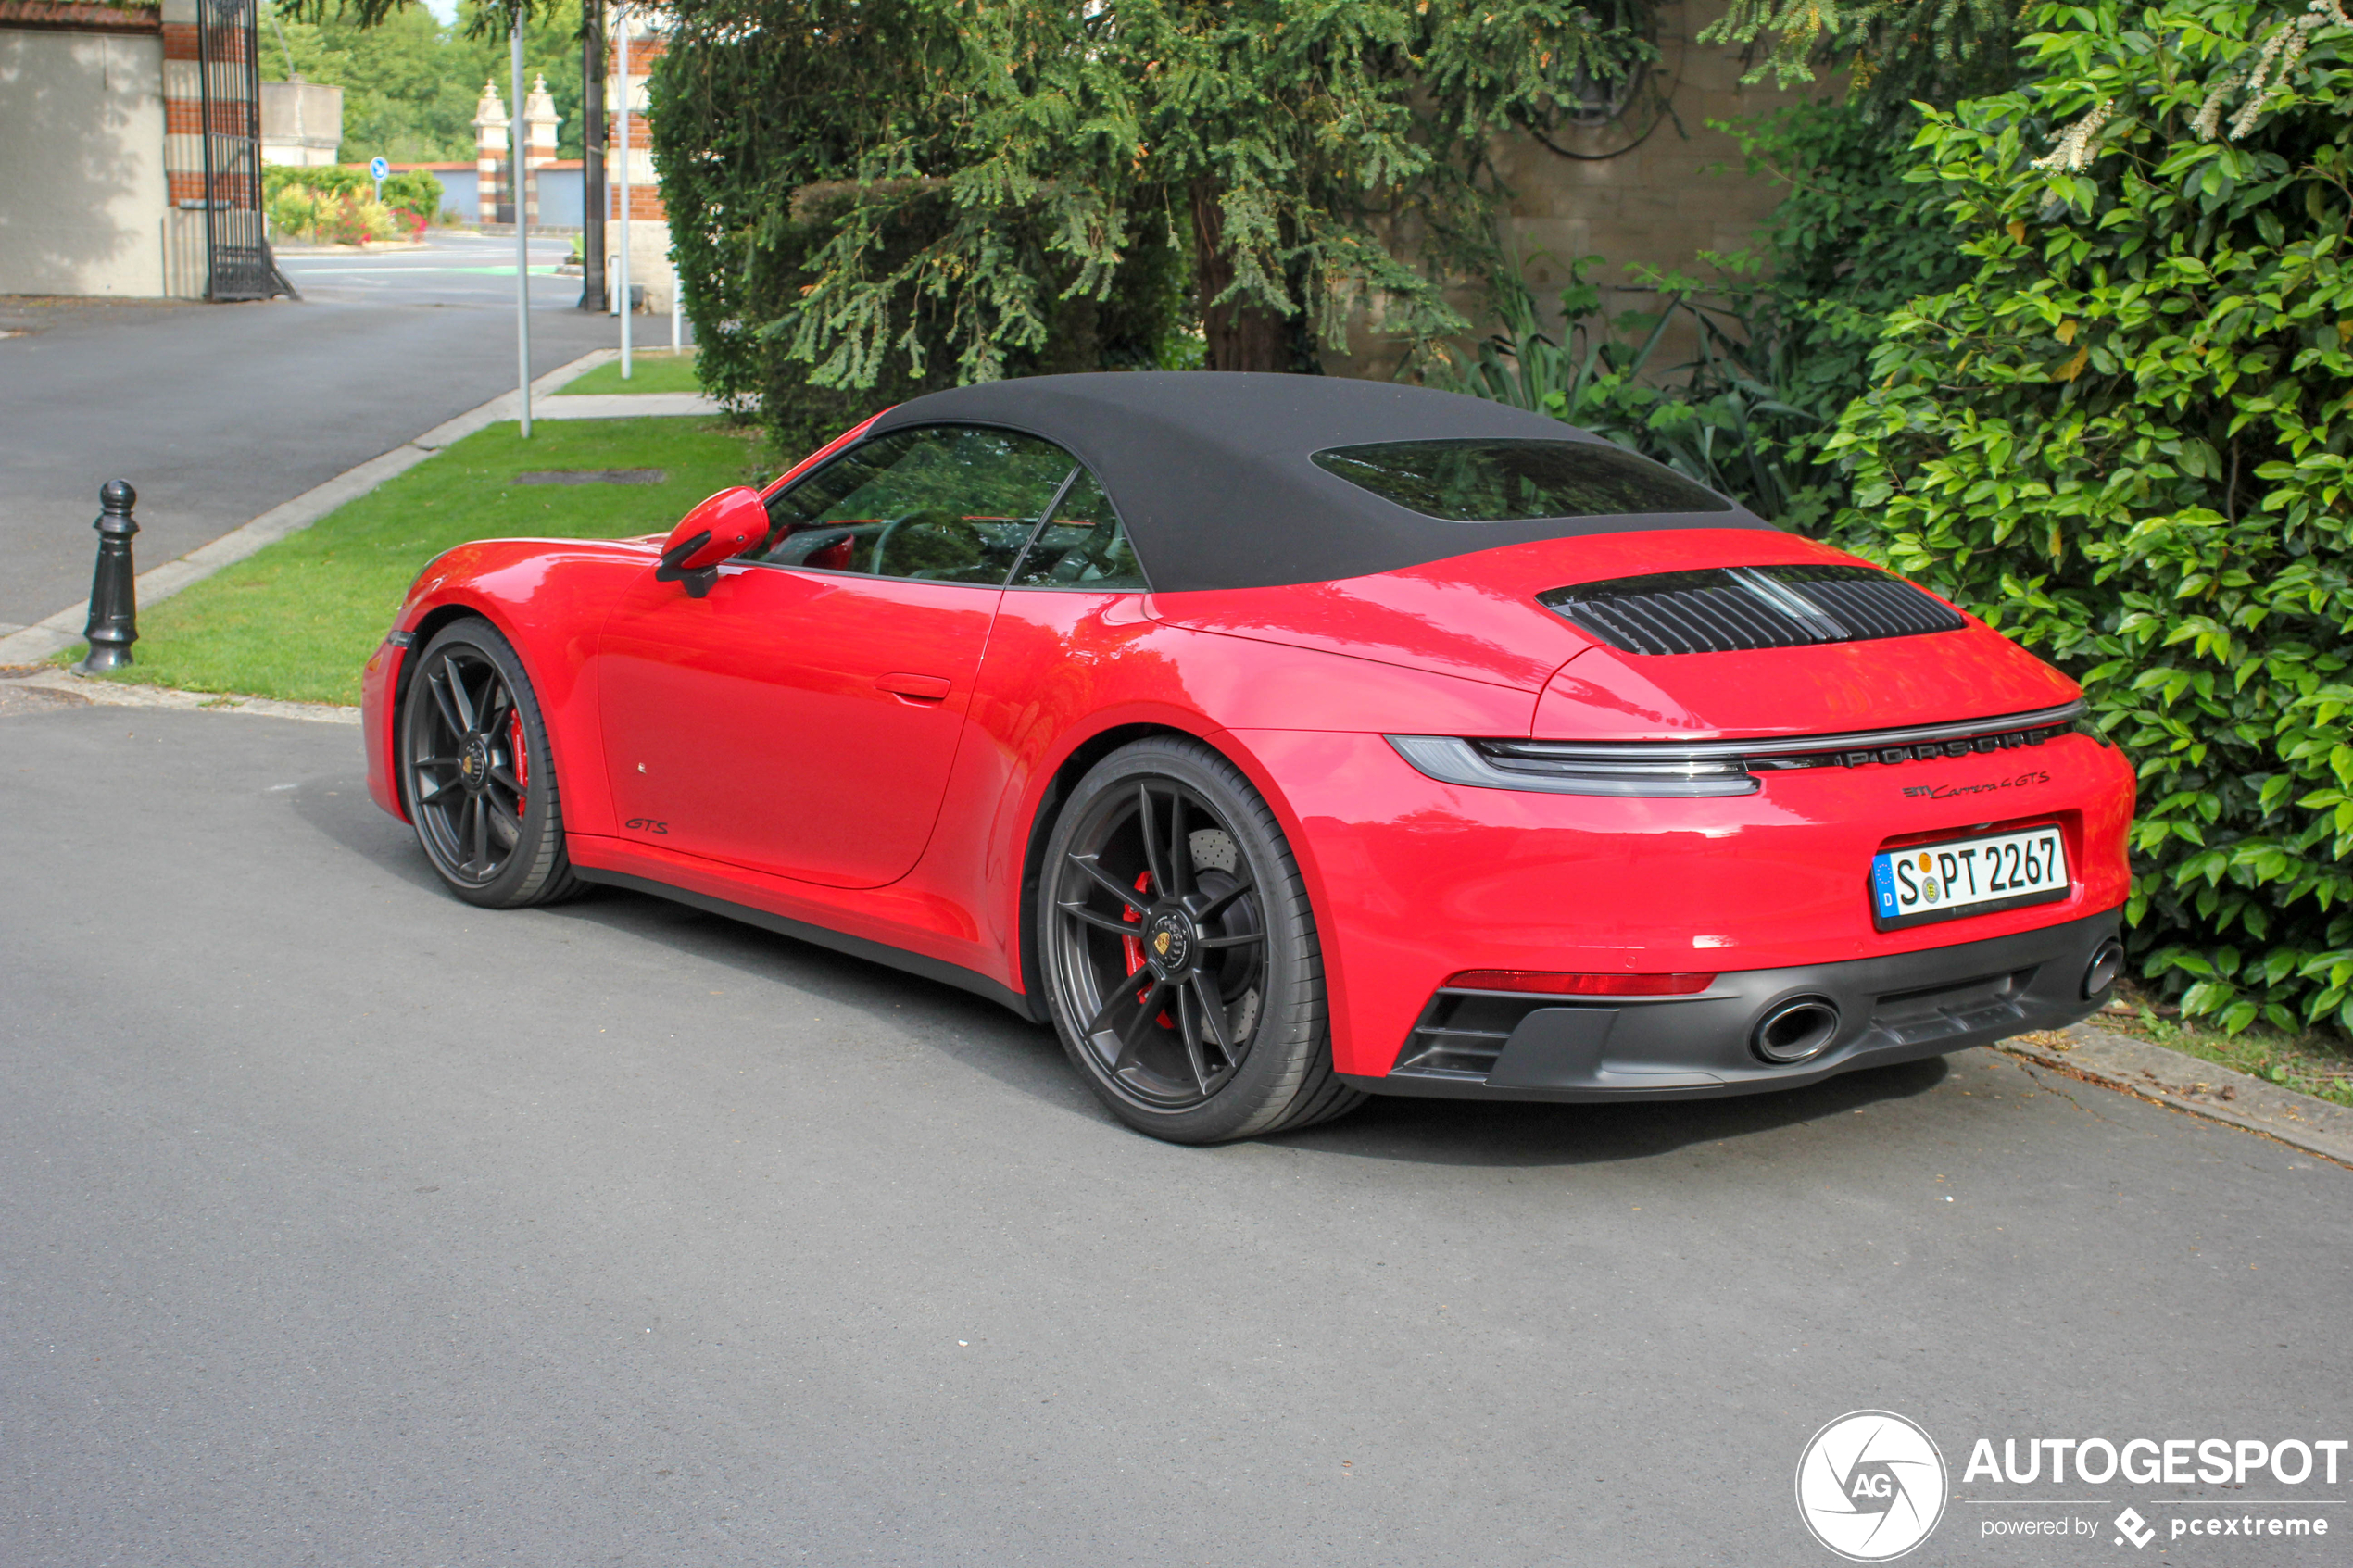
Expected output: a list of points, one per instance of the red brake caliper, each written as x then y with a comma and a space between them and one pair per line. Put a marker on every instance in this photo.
1133, 946
521, 754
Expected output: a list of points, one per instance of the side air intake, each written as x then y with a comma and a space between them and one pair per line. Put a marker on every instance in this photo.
1730, 610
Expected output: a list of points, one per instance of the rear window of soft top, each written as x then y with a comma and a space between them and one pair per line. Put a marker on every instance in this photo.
1489, 479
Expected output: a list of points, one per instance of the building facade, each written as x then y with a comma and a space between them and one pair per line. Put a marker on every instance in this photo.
84, 205
648, 226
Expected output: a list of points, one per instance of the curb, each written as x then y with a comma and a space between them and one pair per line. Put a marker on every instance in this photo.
627, 405
117, 693
387, 247
2191, 1084
62, 631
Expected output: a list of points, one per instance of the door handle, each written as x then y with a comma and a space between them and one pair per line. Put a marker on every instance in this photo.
921, 688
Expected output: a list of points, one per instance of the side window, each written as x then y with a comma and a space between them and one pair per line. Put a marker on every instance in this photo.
1083, 546
947, 503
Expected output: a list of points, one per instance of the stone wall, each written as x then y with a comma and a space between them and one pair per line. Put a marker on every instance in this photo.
301, 123
82, 179
1654, 184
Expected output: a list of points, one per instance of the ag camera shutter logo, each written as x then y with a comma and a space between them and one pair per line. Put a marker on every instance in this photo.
1870, 1486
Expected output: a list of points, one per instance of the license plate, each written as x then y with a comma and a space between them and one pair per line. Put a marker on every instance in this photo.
1968, 876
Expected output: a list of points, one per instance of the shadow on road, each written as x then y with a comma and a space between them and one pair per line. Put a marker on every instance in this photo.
985, 1037
1439, 1132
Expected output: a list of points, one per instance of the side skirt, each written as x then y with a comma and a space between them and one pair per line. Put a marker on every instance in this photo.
856, 946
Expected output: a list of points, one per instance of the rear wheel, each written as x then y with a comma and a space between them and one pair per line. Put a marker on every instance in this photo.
1181, 957
477, 774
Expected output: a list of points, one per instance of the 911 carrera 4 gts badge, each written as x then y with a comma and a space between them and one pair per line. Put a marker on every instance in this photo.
1947, 792
646, 825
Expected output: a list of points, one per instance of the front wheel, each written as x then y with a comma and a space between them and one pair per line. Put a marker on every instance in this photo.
1181, 962
477, 774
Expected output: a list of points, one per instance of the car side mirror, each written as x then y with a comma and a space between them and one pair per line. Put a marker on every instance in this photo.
721, 528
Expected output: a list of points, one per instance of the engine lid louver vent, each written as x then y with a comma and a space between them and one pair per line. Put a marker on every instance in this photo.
1728, 610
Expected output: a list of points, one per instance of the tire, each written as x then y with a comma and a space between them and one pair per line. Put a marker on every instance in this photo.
1188, 987
470, 717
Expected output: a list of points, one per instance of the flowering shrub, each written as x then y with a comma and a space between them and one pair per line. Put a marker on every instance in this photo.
2124, 442
298, 212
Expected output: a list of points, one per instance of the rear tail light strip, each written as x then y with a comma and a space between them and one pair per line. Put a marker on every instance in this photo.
1693, 771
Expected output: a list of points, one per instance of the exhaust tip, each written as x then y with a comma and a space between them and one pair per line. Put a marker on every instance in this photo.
2104, 970
1795, 1030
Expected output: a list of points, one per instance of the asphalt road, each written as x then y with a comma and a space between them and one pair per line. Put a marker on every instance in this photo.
216, 413
342, 1224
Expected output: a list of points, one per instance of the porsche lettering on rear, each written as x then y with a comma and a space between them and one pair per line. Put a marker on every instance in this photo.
1280, 740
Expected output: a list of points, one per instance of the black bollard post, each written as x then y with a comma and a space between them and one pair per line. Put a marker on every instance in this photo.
114, 608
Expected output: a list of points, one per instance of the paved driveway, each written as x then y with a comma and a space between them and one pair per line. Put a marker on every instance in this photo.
217, 412
342, 1224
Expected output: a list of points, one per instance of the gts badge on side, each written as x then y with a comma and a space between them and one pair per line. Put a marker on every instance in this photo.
644, 824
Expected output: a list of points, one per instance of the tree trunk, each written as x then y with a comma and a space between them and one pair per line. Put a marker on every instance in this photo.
1242, 335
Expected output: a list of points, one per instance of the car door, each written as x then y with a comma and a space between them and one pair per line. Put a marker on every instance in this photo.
802, 717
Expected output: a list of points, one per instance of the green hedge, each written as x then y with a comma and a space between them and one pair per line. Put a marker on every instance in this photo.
415, 189
758, 125
2125, 440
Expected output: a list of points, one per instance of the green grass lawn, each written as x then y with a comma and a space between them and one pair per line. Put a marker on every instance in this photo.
650, 370
299, 619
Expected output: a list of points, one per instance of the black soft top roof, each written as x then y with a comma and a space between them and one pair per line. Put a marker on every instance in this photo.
1211, 470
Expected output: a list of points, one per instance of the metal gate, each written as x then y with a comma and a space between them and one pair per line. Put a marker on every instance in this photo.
238, 262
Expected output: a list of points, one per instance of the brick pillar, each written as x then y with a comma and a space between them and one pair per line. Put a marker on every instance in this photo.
649, 221
539, 122
490, 156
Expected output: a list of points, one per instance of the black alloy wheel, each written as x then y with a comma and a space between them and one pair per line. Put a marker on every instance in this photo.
1180, 957
476, 774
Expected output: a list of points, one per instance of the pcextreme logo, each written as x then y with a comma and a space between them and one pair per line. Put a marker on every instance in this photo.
1870, 1486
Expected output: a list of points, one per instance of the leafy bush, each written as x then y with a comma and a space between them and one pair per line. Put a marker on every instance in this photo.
294, 212
997, 165
2125, 440
1784, 339
756, 131
415, 189
340, 217
1897, 52
1851, 242
1719, 418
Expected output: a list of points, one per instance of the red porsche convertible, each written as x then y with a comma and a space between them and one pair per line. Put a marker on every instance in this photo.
1280, 740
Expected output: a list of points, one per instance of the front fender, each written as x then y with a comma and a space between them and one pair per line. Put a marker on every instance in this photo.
549, 599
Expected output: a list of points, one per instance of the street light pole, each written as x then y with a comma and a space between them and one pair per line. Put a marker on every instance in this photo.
515, 134
592, 152
621, 26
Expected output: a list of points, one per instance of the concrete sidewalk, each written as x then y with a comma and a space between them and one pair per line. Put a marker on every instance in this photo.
626, 406
2189, 1083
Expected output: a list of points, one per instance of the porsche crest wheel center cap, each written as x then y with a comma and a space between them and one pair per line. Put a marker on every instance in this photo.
473, 763
1169, 941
